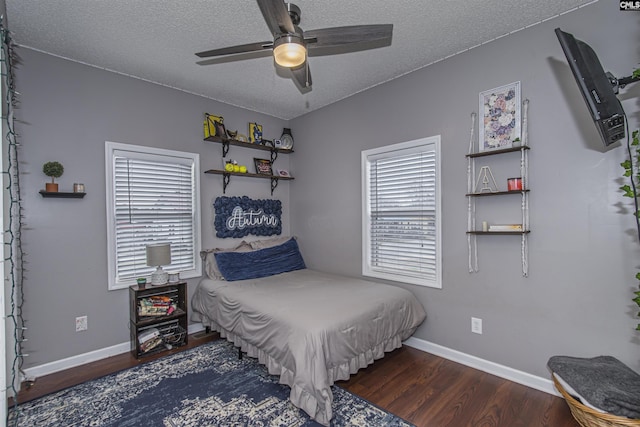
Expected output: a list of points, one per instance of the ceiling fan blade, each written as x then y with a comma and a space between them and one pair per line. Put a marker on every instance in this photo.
277, 16
302, 76
243, 48
341, 36
226, 59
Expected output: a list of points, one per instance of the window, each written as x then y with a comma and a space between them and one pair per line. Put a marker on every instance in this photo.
401, 212
152, 197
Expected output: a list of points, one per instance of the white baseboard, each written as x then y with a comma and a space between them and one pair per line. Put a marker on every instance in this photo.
81, 359
502, 371
520, 377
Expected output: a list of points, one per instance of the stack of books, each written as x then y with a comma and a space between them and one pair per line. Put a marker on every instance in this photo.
149, 339
505, 227
158, 305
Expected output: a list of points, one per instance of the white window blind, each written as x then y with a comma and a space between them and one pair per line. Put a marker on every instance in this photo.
153, 198
401, 208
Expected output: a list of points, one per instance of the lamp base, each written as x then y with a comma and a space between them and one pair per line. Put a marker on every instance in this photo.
159, 277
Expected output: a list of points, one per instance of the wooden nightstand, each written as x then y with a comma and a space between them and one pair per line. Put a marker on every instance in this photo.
158, 318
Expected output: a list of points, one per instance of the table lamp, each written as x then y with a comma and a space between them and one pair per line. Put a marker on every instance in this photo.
157, 256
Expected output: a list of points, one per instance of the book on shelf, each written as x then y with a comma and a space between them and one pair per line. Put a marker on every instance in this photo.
156, 306
156, 311
151, 344
505, 227
148, 334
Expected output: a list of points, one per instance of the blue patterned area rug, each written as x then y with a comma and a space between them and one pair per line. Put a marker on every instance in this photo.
204, 386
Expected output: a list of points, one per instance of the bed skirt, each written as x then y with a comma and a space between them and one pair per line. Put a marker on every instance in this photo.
301, 398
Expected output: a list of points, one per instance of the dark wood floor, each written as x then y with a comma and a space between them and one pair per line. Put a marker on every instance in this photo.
421, 388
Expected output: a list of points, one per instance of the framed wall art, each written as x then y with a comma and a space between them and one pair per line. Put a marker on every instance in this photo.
263, 166
255, 133
214, 126
499, 126
240, 216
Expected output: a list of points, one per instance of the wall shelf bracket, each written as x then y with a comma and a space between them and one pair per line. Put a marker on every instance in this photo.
226, 177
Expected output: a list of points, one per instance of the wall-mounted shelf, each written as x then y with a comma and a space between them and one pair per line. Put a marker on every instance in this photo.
514, 233
226, 177
494, 152
497, 193
227, 142
62, 195
472, 194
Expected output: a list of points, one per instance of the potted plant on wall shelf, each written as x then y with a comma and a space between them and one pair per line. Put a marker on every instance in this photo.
53, 170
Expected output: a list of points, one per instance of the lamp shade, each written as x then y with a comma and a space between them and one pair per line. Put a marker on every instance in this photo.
158, 254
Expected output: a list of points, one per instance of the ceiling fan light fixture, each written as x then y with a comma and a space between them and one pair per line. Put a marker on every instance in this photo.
289, 51
290, 43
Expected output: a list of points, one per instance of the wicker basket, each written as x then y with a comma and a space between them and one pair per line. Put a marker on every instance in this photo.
588, 417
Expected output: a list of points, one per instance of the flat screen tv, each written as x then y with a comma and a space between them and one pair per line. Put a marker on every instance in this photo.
598, 88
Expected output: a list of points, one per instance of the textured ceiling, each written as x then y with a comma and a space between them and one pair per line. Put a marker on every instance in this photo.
155, 40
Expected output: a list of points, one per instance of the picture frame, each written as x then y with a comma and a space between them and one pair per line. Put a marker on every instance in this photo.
214, 126
283, 173
263, 166
499, 124
255, 133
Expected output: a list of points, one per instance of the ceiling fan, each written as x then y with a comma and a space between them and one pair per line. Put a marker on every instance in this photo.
291, 45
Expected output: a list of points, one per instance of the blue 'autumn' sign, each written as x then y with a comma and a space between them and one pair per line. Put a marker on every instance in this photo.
241, 216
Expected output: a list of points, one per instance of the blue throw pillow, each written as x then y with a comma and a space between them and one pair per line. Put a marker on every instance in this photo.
260, 263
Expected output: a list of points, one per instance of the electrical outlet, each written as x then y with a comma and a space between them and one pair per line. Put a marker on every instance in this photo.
81, 323
476, 325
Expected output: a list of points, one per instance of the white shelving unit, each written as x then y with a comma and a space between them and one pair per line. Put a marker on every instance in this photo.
473, 195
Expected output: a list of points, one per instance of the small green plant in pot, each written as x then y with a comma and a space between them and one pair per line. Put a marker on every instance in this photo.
53, 170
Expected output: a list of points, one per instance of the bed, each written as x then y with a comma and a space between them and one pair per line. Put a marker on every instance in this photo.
308, 327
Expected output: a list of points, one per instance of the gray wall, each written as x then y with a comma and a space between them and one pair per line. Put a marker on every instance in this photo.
67, 113
583, 250
583, 253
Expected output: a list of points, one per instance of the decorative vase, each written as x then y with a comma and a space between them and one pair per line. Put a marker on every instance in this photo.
286, 139
51, 187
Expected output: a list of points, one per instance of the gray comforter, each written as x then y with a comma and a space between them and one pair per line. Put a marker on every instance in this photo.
308, 327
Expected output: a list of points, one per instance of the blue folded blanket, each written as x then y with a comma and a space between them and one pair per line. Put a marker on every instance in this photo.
603, 381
